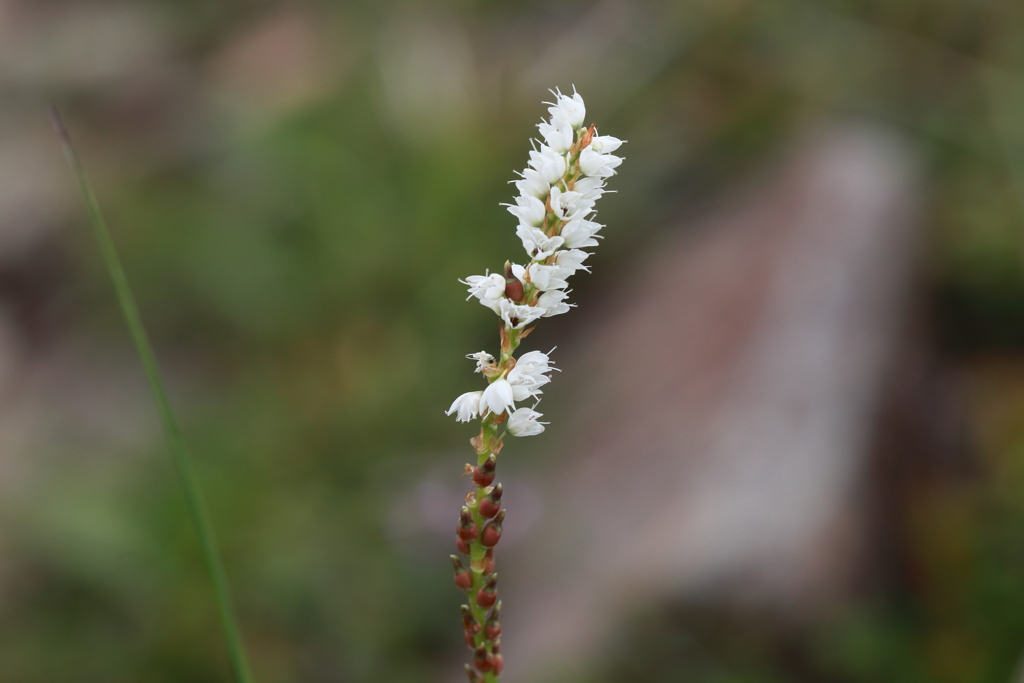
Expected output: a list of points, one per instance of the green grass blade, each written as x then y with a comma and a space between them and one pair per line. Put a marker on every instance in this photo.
182, 463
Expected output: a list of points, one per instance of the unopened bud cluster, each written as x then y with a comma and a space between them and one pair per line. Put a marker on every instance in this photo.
555, 207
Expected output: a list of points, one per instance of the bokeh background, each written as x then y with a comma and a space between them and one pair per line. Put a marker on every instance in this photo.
295, 188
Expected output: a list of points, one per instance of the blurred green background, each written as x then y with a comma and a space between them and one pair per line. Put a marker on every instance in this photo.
296, 187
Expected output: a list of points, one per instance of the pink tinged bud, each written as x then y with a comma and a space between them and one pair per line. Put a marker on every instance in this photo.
490, 505
461, 545
463, 579
469, 622
514, 290
499, 664
470, 640
467, 529
484, 475
492, 531
474, 677
493, 628
482, 659
486, 596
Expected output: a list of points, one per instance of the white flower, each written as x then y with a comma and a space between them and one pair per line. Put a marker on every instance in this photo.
467, 406
490, 289
532, 185
486, 286
601, 165
538, 245
553, 303
546, 278
497, 397
529, 375
589, 187
579, 233
528, 209
604, 144
533, 365
558, 137
572, 260
570, 110
548, 163
483, 360
524, 422
568, 204
517, 316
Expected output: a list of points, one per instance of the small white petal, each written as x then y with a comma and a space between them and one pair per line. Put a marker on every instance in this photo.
547, 278
531, 184
497, 397
570, 110
579, 233
528, 209
523, 422
548, 163
482, 358
467, 406
518, 316
553, 303
558, 137
605, 144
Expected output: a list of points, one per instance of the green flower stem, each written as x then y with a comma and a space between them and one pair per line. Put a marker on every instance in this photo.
476, 548
489, 443
182, 463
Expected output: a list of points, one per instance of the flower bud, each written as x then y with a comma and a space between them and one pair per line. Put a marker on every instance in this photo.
499, 661
491, 503
469, 622
493, 628
514, 289
484, 474
492, 531
461, 545
482, 659
474, 677
486, 596
467, 529
463, 579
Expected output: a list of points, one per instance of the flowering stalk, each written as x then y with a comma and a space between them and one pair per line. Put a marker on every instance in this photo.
557, 193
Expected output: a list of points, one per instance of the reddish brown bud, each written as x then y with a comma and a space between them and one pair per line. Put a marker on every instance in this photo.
461, 545
463, 579
486, 596
492, 531
493, 628
514, 289
482, 659
491, 503
489, 562
484, 474
467, 529
469, 622
499, 664
470, 640
474, 677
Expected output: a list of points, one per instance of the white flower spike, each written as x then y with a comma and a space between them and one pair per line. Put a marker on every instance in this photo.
557, 192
